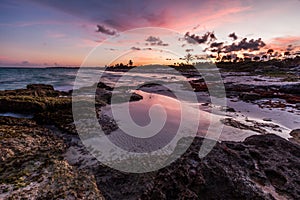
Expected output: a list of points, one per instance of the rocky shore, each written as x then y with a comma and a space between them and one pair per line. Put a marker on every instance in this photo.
32, 165
43, 158
261, 167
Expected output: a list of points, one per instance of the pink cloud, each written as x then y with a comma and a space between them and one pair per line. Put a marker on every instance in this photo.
281, 43
4, 57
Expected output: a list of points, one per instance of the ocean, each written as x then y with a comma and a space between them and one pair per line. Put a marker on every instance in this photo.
15, 78
63, 78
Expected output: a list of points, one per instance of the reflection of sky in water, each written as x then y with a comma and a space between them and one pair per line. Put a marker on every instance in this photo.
16, 115
63, 79
175, 113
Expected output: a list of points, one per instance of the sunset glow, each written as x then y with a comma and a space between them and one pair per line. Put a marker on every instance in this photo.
55, 33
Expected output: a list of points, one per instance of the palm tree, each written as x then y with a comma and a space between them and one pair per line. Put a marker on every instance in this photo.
189, 57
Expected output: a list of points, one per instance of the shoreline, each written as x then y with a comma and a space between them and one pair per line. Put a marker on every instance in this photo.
267, 181
262, 164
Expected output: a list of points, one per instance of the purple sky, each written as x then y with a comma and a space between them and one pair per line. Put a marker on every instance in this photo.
55, 32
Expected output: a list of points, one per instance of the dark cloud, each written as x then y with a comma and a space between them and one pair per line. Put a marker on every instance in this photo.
189, 50
138, 48
233, 36
196, 39
290, 48
209, 39
135, 48
213, 37
198, 25
200, 57
155, 41
111, 49
248, 55
216, 45
104, 30
152, 39
25, 62
251, 45
218, 50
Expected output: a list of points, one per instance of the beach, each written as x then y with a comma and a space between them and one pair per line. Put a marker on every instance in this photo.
255, 153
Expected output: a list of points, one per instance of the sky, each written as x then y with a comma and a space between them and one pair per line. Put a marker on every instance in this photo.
63, 33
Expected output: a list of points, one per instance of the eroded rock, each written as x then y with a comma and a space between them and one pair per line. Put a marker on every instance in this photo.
296, 135
233, 171
32, 166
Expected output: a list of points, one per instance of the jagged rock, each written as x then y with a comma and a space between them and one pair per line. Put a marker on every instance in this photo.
198, 86
40, 87
233, 170
32, 166
228, 109
29, 104
267, 119
50, 108
104, 86
290, 89
296, 135
35, 90
236, 124
35, 98
249, 96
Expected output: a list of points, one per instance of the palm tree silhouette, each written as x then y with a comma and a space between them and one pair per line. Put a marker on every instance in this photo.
189, 57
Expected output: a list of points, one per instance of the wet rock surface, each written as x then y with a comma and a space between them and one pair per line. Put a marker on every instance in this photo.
289, 92
296, 135
267, 80
40, 90
32, 166
35, 98
250, 125
54, 107
261, 167
33, 162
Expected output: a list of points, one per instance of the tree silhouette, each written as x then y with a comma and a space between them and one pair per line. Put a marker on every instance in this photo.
256, 58
286, 54
270, 51
189, 57
264, 57
224, 58
219, 58
229, 57
130, 63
